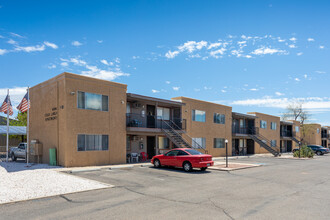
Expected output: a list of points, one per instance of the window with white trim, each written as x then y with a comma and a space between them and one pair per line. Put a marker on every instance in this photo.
163, 113
219, 143
273, 125
198, 115
197, 142
263, 124
93, 101
219, 118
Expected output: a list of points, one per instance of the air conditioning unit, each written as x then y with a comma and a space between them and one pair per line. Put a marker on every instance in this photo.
137, 105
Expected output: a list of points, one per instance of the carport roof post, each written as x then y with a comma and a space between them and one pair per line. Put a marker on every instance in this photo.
13, 130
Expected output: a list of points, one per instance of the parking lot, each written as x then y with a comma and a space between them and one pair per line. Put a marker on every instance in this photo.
279, 189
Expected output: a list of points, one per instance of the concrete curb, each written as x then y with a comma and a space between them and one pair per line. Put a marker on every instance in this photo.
84, 170
121, 167
146, 165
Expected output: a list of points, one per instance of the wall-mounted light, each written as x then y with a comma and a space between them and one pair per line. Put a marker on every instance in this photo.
72, 93
122, 102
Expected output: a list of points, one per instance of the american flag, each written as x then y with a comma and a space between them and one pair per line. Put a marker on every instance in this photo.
5, 105
25, 103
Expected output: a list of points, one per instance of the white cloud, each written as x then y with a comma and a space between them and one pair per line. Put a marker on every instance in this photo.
191, 46
254, 89
16, 35
52, 45
29, 49
293, 39
167, 82
154, 91
207, 88
308, 103
117, 60
266, 50
100, 41
94, 71
292, 46
300, 53
135, 57
76, 43
171, 54
176, 88
51, 66
214, 45
215, 53
11, 41
310, 39
223, 91
16, 94
64, 64
279, 93
297, 79
3, 51
105, 62
305, 76
321, 47
321, 72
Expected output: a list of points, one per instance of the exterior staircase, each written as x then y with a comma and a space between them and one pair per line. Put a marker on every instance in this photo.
260, 140
175, 134
293, 137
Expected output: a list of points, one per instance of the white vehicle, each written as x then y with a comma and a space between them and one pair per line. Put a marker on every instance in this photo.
18, 152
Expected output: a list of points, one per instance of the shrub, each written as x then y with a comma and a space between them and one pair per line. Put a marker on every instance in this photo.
305, 152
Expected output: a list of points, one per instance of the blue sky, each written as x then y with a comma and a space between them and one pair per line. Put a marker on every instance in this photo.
252, 55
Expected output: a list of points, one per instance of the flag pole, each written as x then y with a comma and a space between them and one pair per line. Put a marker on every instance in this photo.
27, 128
7, 143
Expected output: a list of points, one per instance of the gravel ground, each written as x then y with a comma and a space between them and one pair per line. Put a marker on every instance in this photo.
18, 182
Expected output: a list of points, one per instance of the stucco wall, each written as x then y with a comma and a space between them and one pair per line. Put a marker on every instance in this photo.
268, 133
310, 135
208, 129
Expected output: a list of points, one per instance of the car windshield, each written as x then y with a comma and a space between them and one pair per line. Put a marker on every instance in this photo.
194, 152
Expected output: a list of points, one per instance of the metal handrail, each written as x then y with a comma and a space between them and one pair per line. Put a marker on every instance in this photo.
255, 132
192, 140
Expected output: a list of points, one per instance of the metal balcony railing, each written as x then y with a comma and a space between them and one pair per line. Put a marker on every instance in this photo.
243, 130
150, 121
286, 133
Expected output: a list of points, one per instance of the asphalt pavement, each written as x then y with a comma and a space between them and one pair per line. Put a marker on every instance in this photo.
279, 189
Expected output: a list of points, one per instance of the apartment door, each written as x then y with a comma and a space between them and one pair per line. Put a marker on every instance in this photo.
250, 146
250, 127
151, 120
289, 146
151, 146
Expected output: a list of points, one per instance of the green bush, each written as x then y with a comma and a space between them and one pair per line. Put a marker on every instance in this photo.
305, 152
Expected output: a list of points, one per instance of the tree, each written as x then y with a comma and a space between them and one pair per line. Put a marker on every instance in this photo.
295, 111
20, 120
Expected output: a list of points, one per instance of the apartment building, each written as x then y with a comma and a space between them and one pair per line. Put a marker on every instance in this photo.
82, 117
208, 125
325, 136
290, 135
311, 134
96, 122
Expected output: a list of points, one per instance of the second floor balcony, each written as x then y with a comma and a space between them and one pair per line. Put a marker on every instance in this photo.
153, 122
287, 133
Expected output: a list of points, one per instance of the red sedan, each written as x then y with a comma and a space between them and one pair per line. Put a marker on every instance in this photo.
183, 157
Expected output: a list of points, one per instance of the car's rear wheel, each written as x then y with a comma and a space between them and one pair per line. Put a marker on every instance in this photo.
13, 158
187, 166
157, 163
319, 153
203, 168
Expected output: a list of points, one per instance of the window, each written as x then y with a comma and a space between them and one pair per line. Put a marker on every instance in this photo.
128, 108
297, 129
88, 142
199, 142
182, 153
219, 118
194, 152
198, 115
172, 153
163, 143
273, 143
263, 124
219, 143
163, 113
92, 101
318, 130
273, 125
242, 123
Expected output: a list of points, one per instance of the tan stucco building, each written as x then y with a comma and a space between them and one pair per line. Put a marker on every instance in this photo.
311, 134
96, 122
82, 117
209, 124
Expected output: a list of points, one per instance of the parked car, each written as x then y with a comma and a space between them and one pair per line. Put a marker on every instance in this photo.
186, 158
318, 149
18, 152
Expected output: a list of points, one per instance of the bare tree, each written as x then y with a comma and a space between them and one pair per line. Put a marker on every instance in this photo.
295, 111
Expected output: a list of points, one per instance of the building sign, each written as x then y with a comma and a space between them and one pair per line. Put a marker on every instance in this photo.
52, 115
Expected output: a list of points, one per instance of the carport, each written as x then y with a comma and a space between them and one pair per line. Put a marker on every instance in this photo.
13, 141
13, 130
